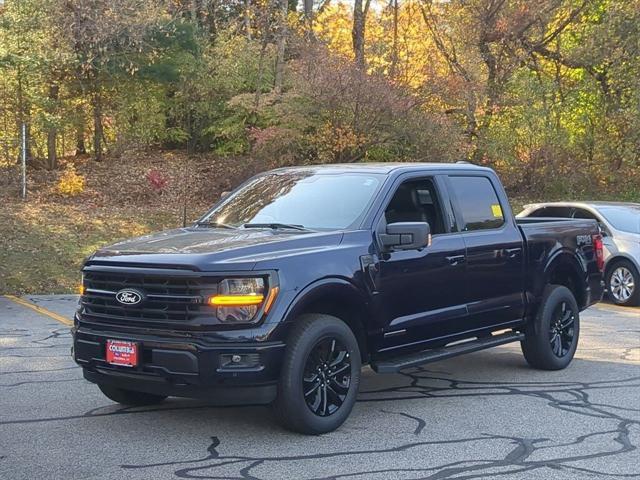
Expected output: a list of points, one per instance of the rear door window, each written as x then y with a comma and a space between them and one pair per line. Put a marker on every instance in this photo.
478, 203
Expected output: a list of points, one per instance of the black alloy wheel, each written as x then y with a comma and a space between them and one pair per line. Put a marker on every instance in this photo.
320, 375
561, 331
327, 376
551, 337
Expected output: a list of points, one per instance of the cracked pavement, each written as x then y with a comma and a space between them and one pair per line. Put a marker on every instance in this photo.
483, 415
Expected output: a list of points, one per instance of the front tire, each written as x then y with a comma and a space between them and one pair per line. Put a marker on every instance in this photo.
129, 397
320, 375
623, 283
551, 340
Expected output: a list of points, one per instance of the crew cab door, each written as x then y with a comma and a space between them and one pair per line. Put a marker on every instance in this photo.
493, 286
419, 291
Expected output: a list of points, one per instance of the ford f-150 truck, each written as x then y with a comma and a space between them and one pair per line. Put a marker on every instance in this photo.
287, 286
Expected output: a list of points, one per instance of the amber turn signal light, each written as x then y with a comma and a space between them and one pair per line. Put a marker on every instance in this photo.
273, 293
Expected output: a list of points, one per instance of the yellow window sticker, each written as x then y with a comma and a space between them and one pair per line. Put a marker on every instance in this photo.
496, 210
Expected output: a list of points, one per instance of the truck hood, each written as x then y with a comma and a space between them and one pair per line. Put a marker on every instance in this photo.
214, 248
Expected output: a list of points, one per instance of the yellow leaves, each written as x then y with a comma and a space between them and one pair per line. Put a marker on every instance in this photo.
338, 142
333, 25
415, 59
70, 183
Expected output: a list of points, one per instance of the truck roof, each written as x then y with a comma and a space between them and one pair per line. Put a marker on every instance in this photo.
384, 168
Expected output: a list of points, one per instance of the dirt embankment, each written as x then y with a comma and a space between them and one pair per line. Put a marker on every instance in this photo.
44, 240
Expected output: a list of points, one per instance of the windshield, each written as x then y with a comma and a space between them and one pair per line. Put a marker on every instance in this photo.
624, 218
301, 198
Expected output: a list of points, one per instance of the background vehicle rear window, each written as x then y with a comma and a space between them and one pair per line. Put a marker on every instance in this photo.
478, 203
563, 212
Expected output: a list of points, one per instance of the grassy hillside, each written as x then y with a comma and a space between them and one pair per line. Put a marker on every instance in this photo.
44, 240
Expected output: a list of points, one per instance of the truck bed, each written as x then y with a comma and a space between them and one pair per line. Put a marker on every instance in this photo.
546, 239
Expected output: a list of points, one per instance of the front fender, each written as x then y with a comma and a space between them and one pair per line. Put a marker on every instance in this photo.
325, 288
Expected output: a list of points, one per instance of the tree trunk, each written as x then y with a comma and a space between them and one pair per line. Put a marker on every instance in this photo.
263, 51
281, 44
81, 147
493, 92
358, 31
308, 19
213, 19
394, 51
52, 132
247, 18
98, 133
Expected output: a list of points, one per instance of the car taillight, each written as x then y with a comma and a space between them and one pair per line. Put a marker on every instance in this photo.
598, 249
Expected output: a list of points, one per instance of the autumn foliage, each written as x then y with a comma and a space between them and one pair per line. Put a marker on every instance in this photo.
545, 92
157, 180
70, 183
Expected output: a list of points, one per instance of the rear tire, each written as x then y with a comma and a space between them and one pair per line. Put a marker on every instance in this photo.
623, 283
129, 397
551, 340
320, 375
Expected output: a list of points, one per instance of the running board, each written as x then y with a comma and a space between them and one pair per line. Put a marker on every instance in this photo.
398, 363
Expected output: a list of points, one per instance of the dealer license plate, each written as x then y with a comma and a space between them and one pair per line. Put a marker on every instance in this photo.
121, 352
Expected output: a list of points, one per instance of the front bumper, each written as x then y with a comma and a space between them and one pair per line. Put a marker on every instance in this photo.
193, 367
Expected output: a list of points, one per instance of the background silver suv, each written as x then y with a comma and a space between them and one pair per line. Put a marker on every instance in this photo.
620, 224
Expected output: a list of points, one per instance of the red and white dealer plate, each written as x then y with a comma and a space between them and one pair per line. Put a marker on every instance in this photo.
121, 352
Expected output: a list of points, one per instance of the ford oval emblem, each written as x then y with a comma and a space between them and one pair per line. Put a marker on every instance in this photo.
128, 296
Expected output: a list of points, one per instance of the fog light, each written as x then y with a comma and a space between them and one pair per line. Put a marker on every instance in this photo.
232, 361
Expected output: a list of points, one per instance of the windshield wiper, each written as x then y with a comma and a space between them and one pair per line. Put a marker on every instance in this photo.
277, 226
215, 224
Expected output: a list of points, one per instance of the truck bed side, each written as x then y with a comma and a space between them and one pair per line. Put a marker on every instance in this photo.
561, 251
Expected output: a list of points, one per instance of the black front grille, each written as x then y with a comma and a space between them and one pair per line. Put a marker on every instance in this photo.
177, 300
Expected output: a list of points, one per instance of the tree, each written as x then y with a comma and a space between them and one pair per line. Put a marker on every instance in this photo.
501, 34
107, 41
22, 53
281, 43
360, 12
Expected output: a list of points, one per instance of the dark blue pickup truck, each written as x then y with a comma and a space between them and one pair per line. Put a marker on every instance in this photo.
287, 286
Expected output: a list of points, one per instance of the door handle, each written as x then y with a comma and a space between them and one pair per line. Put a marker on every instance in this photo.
511, 252
455, 259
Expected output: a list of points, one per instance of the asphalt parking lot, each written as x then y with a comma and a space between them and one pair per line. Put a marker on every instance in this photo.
484, 415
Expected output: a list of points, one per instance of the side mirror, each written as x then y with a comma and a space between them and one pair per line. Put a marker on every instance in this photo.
406, 236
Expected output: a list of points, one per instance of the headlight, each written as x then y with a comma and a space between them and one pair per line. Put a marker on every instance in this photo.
239, 299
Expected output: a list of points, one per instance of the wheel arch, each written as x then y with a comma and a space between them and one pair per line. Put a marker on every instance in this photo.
564, 269
619, 257
337, 297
